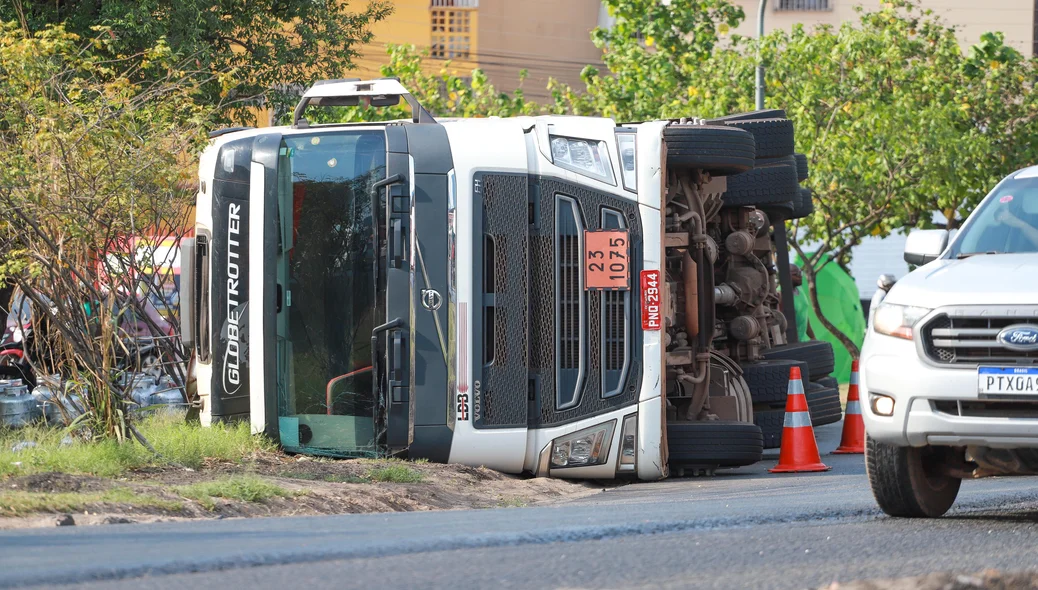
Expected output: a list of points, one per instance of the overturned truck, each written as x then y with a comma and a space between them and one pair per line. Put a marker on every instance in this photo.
562, 296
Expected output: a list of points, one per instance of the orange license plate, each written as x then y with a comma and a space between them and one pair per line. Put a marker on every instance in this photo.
607, 260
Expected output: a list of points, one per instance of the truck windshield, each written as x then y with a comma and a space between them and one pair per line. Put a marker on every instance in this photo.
325, 388
1005, 223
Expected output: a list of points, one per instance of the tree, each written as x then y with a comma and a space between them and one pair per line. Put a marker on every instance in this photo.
255, 52
93, 161
896, 121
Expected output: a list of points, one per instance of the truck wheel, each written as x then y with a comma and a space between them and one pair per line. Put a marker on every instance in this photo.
771, 423
769, 380
762, 187
763, 114
721, 151
774, 137
910, 481
804, 205
818, 355
824, 404
713, 444
802, 169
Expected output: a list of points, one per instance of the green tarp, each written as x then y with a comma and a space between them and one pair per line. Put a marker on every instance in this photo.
841, 303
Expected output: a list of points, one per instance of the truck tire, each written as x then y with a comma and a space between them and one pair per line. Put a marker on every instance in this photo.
804, 205
774, 137
908, 481
829, 382
720, 150
824, 403
802, 168
763, 114
769, 380
712, 444
818, 355
771, 423
768, 186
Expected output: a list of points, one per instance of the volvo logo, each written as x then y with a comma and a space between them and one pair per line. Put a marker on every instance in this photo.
432, 300
1021, 337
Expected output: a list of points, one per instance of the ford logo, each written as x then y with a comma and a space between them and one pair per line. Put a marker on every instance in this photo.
1021, 337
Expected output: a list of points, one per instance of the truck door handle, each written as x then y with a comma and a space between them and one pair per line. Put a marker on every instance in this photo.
396, 242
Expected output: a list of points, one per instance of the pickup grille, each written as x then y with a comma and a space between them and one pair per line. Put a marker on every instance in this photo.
971, 341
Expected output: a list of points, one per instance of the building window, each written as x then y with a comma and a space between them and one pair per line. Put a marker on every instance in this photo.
803, 5
451, 30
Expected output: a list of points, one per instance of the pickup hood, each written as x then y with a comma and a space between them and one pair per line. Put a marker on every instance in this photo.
986, 279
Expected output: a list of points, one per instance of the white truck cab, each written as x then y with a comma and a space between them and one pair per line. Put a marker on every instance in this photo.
562, 296
949, 374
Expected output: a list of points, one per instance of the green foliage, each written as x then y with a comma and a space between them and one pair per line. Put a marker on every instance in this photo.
398, 473
251, 51
245, 488
179, 444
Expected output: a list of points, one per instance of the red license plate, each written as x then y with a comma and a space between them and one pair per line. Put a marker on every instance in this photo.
607, 260
652, 311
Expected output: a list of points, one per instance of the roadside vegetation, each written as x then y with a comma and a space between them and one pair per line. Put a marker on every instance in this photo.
38, 449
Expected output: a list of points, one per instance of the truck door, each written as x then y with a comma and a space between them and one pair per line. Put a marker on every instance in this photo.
340, 361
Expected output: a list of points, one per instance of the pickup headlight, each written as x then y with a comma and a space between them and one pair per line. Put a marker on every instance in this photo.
897, 320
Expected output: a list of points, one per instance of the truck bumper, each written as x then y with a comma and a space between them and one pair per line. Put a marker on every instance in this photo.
892, 367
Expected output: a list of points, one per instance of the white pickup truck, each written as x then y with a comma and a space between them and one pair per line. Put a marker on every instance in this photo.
950, 362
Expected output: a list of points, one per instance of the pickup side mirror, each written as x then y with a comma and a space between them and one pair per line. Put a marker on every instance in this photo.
925, 245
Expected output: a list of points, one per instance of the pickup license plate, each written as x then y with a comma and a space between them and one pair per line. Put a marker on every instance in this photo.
607, 260
1007, 381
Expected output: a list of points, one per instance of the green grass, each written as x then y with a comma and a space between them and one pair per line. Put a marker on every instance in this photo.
17, 503
512, 503
178, 443
395, 474
327, 478
246, 488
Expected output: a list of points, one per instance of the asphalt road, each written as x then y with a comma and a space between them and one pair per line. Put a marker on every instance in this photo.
747, 529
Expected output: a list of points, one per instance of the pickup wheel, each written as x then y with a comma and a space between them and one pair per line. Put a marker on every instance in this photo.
804, 205
802, 168
818, 355
774, 137
910, 482
712, 444
769, 186
719, 150
769, 380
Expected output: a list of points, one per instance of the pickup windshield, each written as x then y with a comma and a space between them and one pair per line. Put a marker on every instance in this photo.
325, 394
1006, 222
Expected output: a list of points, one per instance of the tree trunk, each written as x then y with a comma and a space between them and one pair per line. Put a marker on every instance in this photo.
812, 291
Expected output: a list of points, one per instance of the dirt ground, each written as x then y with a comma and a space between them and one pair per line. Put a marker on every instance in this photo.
987, 580
317, 486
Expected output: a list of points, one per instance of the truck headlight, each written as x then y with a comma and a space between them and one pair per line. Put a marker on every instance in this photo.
897, 320
584, 447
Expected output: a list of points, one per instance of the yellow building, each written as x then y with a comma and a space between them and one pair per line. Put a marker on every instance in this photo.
548, 38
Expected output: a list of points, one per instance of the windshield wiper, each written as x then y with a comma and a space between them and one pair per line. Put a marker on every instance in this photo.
962, 255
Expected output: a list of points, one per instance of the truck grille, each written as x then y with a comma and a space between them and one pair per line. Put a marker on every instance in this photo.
615, 311
574, 353
959, 340
570, 313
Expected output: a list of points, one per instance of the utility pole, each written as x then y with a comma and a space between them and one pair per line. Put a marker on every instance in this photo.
760, 59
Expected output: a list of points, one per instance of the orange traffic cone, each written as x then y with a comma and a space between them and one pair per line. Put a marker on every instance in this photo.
853, 441
799, 450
